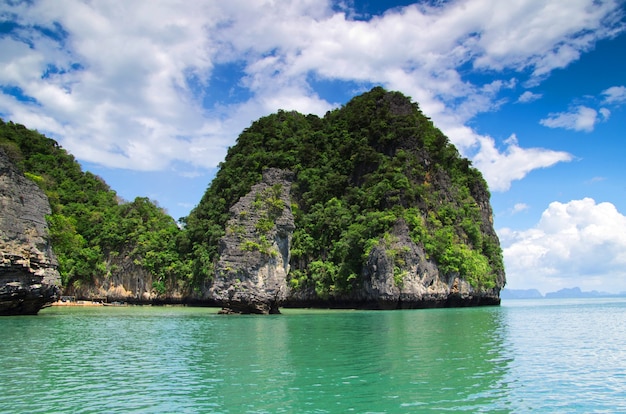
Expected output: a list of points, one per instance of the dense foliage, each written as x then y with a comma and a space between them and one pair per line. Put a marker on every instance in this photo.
89, 224
359, 170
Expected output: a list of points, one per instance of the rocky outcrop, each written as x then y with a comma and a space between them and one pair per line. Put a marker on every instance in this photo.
399, 275
124, 281
251, 275
252, 272
388, 215
29, 279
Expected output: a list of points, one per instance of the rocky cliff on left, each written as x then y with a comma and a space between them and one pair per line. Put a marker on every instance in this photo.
107, 248
29, 279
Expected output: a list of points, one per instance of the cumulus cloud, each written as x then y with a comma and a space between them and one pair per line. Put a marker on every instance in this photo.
581, 118
528, 96
134, 84
519, 207
615, 95
604, 113
584, 118
500, 168
580, 243
114, 80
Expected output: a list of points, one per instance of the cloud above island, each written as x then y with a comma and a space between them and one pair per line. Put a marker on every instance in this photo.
144, 85
579, 243
581, 118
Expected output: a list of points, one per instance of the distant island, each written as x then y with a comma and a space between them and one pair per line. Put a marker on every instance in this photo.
565, 293
520, 294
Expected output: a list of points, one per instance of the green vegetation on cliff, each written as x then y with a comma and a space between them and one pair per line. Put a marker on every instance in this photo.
89, 224
358, 171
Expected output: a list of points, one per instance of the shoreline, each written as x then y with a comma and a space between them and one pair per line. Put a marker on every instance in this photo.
86, 303
76, 303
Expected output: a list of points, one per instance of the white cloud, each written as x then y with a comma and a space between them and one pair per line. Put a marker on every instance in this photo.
604, 113
538, 34
580, 243
514, 163
118, 91
594, 180
519, 207
615, 95
581, 118
130, 81
584, 118
528, 96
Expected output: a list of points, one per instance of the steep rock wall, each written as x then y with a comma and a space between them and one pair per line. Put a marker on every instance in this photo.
125, 281
399, 275
29, 279
251, 275
253, 269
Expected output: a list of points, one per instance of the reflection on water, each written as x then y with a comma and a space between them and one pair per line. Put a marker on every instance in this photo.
383, 361
509, 359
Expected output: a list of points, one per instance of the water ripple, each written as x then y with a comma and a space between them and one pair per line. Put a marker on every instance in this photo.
566, 358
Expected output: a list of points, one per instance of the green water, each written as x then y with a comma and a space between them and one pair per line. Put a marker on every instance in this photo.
526, 356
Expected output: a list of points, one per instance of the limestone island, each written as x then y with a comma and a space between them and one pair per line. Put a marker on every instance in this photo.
368, 207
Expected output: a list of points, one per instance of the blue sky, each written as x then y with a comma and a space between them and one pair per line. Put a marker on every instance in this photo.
150, 94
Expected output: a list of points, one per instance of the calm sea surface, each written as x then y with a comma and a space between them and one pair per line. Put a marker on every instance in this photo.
525, 356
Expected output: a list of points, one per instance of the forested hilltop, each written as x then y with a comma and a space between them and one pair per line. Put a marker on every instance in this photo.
369, 206
100, 241
374, 175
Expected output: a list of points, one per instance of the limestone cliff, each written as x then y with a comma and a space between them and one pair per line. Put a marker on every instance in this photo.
370, 206
29, 279
124, 281
253, 268
399, 275
251, 275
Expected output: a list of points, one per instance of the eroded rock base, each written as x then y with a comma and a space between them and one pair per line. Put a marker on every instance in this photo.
26, 297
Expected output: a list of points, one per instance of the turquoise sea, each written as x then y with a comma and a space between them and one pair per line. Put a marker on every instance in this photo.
525, 356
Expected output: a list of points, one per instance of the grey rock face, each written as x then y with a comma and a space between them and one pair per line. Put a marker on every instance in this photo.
29, 279
251, 275
399, 275
128, 283
252, 272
